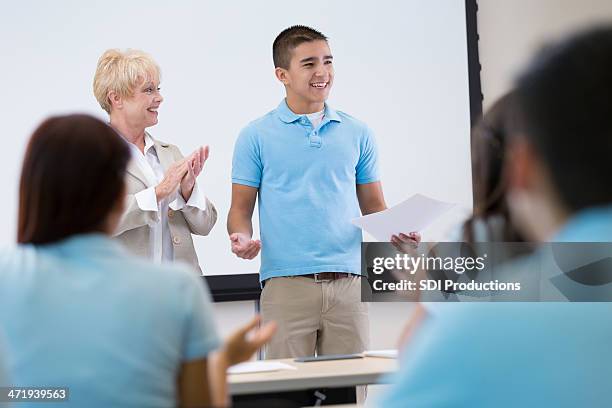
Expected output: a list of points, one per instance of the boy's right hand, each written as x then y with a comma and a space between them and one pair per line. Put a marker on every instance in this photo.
243, 246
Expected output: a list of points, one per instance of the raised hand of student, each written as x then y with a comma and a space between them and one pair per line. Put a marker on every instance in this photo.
195, 163
238, 347
245, 341
243, 246
172, 179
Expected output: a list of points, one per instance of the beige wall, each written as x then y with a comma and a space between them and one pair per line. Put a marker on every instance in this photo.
511, 30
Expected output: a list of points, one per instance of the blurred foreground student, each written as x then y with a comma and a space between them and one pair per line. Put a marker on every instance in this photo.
491, 221
536, 354
4, 380
78, 310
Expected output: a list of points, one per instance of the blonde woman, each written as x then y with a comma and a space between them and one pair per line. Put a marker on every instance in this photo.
164, 205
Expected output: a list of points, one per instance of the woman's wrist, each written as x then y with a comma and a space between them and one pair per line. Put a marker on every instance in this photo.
186, 191
160, 192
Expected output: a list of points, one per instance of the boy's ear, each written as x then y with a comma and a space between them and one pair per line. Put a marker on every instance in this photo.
282, 75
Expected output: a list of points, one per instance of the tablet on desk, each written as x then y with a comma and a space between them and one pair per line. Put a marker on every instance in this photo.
390, 353
328, 357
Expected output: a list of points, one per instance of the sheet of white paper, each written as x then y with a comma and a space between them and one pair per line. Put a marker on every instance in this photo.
391, 353
413, 214
258, 367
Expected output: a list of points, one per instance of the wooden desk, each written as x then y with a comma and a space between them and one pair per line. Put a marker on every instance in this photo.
338, 374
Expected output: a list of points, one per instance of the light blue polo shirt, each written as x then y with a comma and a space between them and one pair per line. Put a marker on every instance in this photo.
113, 328
513, 354
4, 379
307, 181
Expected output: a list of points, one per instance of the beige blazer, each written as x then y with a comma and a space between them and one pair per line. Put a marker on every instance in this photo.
133, 229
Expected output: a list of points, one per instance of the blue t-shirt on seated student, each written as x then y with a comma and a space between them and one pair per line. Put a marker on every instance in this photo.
520, 354
84, 314
307, 181
4, 380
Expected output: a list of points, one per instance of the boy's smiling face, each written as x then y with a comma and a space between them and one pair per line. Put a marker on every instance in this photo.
309, 77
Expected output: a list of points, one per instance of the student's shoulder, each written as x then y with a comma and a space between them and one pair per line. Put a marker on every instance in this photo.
349, 118
186, 281
353, 122
14, 258
19, 257
169, 286
174, 274
261, 122
169, 281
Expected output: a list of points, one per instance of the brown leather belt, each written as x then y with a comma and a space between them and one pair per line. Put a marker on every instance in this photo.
327, 276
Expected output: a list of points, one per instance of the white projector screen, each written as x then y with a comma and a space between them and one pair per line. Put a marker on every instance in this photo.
401, 67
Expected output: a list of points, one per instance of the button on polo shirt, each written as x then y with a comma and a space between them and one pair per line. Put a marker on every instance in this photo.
307, 181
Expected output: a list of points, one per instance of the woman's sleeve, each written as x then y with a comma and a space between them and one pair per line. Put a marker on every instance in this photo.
201, 218
140, 209
199, 212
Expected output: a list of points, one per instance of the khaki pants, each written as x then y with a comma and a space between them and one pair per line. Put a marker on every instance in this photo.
326, 317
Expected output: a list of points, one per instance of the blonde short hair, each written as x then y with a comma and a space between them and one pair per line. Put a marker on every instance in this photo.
122, 72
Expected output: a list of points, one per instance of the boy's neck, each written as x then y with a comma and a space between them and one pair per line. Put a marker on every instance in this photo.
301, 107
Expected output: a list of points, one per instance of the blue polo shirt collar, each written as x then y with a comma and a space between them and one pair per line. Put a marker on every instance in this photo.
331, 114
288, 116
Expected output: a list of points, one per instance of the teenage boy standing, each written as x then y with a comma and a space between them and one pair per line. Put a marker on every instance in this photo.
314, 168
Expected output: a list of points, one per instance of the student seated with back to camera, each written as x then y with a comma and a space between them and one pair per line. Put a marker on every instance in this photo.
79, 311
4, 381
491, 221
548, 353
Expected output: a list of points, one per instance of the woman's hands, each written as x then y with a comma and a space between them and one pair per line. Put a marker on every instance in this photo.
195, 163
183, 174
172, 179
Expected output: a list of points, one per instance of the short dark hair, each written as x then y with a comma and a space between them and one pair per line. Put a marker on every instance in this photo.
565, 103
71, 179
288, 39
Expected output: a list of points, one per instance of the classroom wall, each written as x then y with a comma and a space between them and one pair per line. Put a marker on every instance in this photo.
510, 31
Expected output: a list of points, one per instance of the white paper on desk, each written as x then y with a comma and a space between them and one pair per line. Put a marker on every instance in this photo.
413, 214
258, 367
390, 353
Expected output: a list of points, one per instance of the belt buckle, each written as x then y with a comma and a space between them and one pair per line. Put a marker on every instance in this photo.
317, 280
